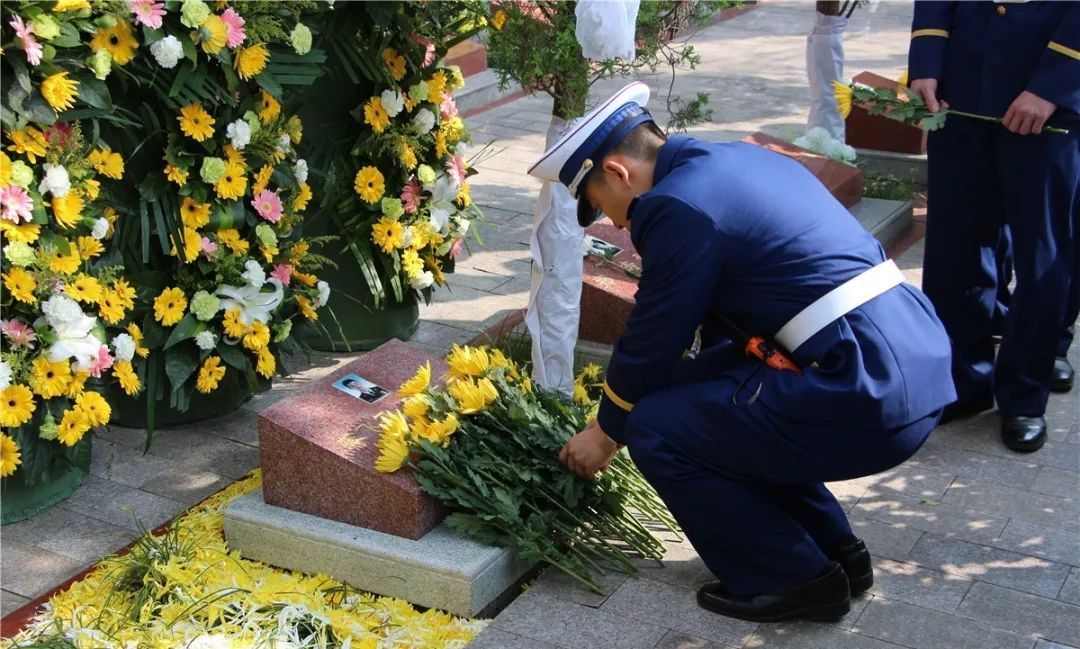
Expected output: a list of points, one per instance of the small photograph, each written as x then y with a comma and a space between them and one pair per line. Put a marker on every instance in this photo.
601, 248
361, 388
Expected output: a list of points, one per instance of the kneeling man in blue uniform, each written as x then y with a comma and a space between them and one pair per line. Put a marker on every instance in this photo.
736, 238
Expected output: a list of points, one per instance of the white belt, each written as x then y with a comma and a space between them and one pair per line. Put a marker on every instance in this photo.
838, 302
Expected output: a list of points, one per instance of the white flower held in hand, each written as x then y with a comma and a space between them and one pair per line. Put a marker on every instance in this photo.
56, 181
239, 133
167, 52
123, 347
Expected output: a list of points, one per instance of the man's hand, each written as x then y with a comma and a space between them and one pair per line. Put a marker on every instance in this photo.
589, 451
1028, 114
927, 89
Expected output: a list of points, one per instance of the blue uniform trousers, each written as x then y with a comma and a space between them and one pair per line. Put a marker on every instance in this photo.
981, 179
746, 485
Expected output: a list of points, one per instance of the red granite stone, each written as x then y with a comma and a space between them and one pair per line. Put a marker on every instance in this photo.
843, 181
318, 450
867, 131
607, 293
470, 56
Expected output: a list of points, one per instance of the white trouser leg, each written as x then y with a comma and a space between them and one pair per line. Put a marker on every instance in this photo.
825, 64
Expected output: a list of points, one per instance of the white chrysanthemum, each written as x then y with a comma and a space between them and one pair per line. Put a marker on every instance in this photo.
5, 375
56, 181
424, 121
324, 293
239, 133
123, 347
205, 340
422, 281
300, 170
101, 228
167, 52
61, 309
254, 273
393, 101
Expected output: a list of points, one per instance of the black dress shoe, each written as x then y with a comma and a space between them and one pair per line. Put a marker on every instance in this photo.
824, 597
854, 558
962, 409
1062, 378
1023, 434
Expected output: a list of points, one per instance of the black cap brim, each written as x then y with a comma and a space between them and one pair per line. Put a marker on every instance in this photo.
586, 213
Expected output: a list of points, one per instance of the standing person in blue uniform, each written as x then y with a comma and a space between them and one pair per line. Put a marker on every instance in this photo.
1019, 61
735, 236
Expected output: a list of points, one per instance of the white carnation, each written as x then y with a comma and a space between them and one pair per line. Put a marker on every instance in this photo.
422, 281
324, 293
254, 273
393, 101
407, 236
300, 170
101, 228
5, 375
56, 181
205, 340
283, 142
61, 309
167, 52
424, 121
123, 347
239, 133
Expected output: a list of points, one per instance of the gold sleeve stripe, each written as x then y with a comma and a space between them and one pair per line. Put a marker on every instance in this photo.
616, 399
930, 32
1067, 51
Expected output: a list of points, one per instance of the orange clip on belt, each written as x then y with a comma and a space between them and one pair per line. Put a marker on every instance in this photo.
763, 350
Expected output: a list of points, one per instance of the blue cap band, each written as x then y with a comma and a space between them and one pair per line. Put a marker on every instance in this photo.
602, 140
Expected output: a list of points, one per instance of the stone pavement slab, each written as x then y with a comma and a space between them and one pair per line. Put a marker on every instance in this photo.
920, 628
573, 626
1023, 612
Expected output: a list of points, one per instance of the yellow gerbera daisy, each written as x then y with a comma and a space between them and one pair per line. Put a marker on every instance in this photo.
91, 187
395, 62
94, 408
408, 156
194, 214
68, 208
64, 264
118, 41
375, 115
137, 336
110, 307
369, 184
10, 458
176, 175
62, 6
129, 380
50, 379
213, 34
20, 285
262, 178
84, 289
72, 428
843, 93
233, 183
232, 325
108, 163
230, 238
435, 87
306, 309
169, 306
210, 375
192, 245
60, 91
411, 263
89, 247
18, 405
270, 107
266, 363
418, 383
468, 361
307, 279
387, 234
77, 384
250, 61
5, 170
110, 215
29, 142
257, 336
303, 196
22, 233
126, 294
196, 123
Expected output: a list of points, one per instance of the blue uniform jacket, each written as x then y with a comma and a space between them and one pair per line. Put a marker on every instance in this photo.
985, 54
736, 229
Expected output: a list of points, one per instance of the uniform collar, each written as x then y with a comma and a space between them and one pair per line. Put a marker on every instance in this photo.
665, 160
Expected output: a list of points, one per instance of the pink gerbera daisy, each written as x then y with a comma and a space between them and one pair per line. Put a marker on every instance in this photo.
103, 362
268, 205
209, 248
448, 107
30, 45
148, 12
410, 196
456, 169
459, 245
18, 333
283, 272
15, 204
234, 28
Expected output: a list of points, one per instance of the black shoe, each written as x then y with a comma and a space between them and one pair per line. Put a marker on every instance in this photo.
962, 409
823, 598
1023, 434
1062, 378
854, 558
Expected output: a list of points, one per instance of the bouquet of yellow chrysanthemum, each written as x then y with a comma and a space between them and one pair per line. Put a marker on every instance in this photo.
487, 444
60, 291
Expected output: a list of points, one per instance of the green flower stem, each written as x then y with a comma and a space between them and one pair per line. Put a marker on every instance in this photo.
986, 118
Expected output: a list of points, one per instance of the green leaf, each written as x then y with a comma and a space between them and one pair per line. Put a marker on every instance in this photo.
39, 110
93, 92
232, 355
184, 330
69, 37
180, 364
22, 75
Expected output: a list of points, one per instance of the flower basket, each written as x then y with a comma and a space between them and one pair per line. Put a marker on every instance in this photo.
233, 391
50, 476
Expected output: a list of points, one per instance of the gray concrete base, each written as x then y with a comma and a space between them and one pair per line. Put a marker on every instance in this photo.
482, 89
443, 569
885, 219
904, 166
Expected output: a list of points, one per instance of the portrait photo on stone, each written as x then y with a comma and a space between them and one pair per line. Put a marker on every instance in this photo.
601, 248
361, 388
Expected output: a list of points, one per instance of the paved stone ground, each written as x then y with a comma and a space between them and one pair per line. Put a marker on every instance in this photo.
974, 546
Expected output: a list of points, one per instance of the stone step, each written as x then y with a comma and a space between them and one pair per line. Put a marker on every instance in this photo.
877, 132
482, 91
887, 220
909, 167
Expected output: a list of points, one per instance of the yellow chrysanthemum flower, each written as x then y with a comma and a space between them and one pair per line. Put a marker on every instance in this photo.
169, 306
129, 380
68, 208
233, 183
369, 184
265, 363
49, 379
903, 80
843, 93
232, 325
72, 428
295, 128
411, 263
5, 170
137, 336
77, 384
192, 245
261, 179
108, 163
64, 264
250, 61
62, 6
393, 454
303, 197
498, 19
418, 383
526, 385
29, 142
416, 406
194, 214
395, 63
20, 285
270, 107
473, 396
111, 216
89, 247
468, 361
110, 307
375, 115
213, 34
94, 408
464, 197
10, 458
581, 395
84, 289
125, 293
176, 175
18, 405
441, 149
230, 238
387, 234
307, 279
60, 91
210, 375
257, 336
196, 123
306, 309
408, 157
92, 188
439, 432
435, 86
118, 41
